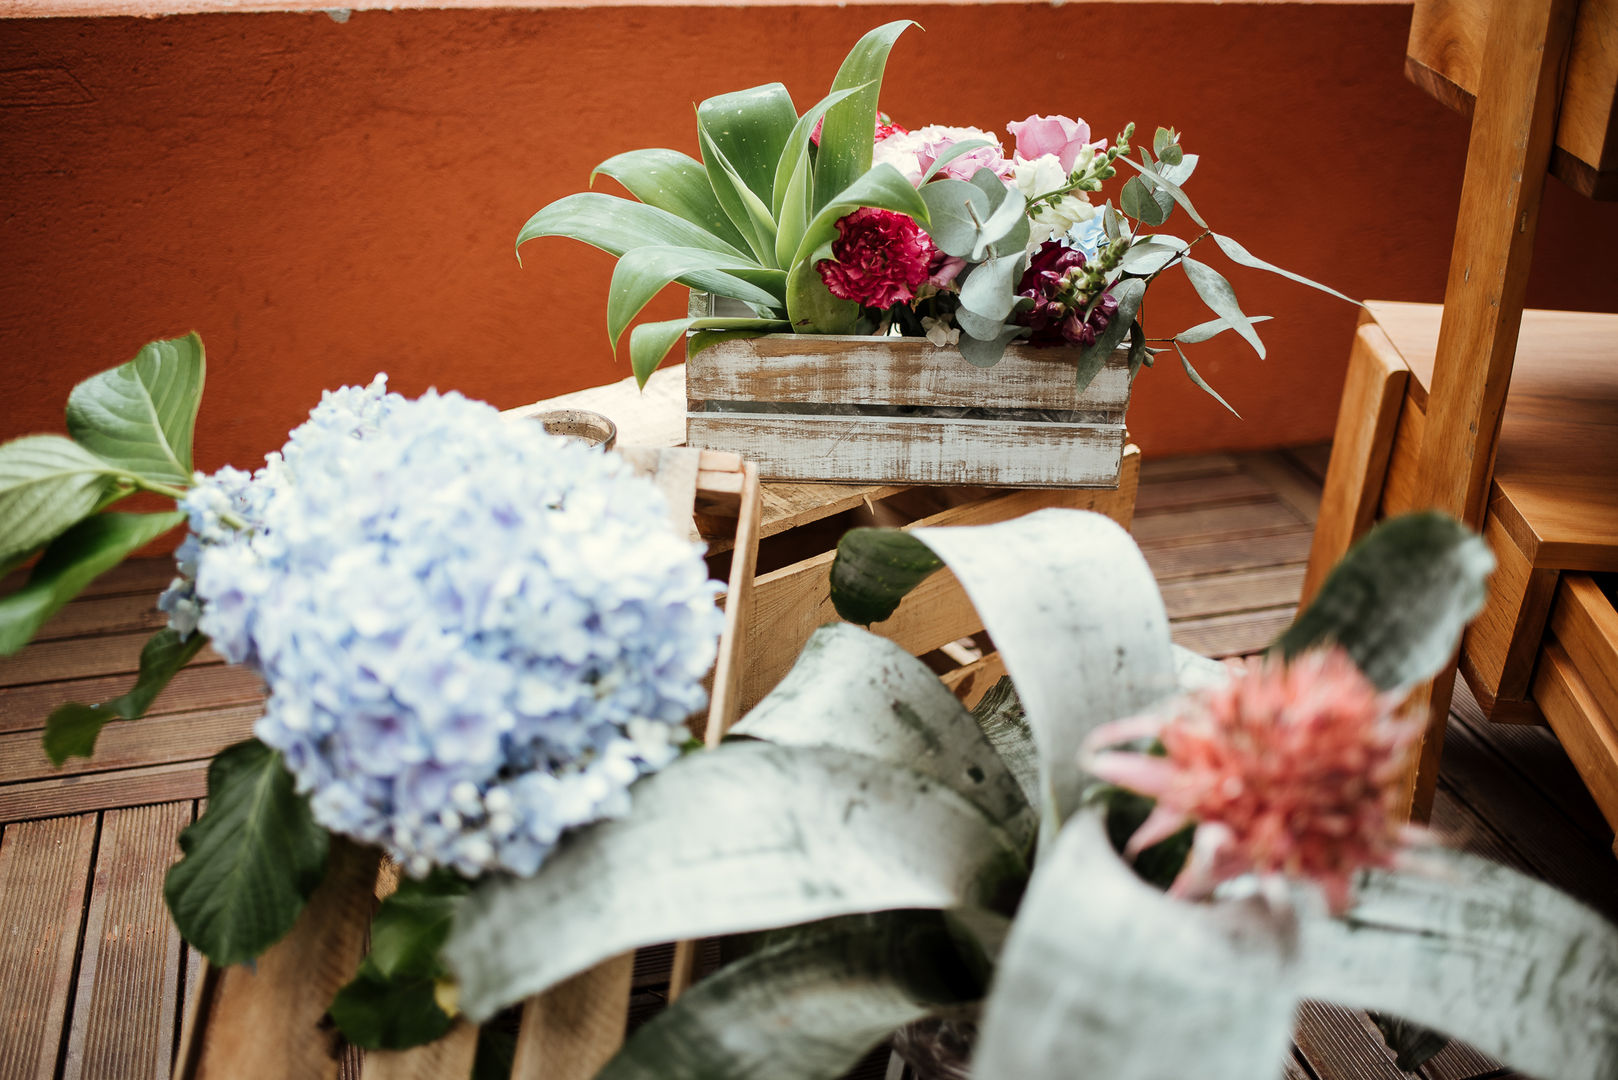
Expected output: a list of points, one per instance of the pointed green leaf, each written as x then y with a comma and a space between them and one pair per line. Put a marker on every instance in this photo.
750, 214
875, 569
1399, 599
618, 225
795, 155
1218, 295
250, 862
76, 558
47, 485
672, 181
751, 128
1163, 182
649, 343
139, 416
849, 132
1151, 254
1137, 349
743, 837
1201, 383
884, 187
794, 212
71, 730
1238, 254
825, 994
644, 272
1129, 293
1212, 328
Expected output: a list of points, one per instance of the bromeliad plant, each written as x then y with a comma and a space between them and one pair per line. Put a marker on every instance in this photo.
838, 221
906, 859
474, 636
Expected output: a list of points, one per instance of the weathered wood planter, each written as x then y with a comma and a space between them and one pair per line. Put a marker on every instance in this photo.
267, 1022
900, 410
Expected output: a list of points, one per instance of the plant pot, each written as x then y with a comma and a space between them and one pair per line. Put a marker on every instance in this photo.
900, 410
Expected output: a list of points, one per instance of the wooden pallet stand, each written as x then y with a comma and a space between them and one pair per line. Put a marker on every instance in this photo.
901, 410
268, 1022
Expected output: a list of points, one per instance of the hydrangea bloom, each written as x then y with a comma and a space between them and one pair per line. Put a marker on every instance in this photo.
1289, 768
475, 635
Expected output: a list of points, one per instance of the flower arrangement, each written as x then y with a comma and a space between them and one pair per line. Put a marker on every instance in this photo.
841, 221
475, 636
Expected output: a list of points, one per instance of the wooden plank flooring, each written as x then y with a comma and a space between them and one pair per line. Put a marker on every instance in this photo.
92, 973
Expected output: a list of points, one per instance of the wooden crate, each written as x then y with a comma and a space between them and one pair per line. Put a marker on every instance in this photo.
900, 410
266, 1022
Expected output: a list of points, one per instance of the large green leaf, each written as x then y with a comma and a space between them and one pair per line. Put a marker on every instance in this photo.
139, 416
795, 154
750, 213
797, 206
956, 212
743, 837
810, 305
904, 716
884, 187
849, 132
643, 272
806, 1006
649, 343
751, 128
376, 1012
618, 225
990, 290
250, 862
47, 485
875, 569
1399, 599
76, 558
1480, 952
71, 730
672, 181
1105, 976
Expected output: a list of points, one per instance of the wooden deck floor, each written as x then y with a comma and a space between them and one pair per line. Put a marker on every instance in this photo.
91, 971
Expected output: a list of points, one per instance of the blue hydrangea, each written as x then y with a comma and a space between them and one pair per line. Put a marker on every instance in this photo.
475, 635
1089, 236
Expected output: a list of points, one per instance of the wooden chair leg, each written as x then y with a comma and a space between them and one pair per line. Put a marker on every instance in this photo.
1373, 393
571, 1030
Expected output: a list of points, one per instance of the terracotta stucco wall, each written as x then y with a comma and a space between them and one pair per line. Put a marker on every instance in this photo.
324, 200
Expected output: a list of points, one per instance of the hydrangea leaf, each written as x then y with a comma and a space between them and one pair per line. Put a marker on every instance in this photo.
849, 132
73, 560
795, 155
672, 181
139, 416
618, 225
1399, 599
649, 343
1481, 952
751, 128
376, 1012
71, 730
906, 716
1216, 292
1097, 959
644, 272
250, 862
826, 994
744, 837
48, 484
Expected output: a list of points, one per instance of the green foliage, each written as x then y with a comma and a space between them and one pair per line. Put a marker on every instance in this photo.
875, 569
250, 862
48, 484
139, 416
71, 730
850, 128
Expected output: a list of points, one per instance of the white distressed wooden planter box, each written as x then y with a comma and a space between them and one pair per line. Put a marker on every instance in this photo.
900, 410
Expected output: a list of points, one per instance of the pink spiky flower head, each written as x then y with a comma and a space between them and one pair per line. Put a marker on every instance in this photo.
1291, 768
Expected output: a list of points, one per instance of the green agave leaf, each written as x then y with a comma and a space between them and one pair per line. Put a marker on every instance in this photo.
884, 187
965, 146
750, 213
743, 837
672, 181
810, 305
250, 862
139, 416
1399, 599
649, 343
875, 569
1480, 952
1166, 184
644, 272
807, 1006
1203, 331
1238, 254
850, 128
47, 485
795, 155
797, 205
751, 128
955, 210
1201, 383
76, 558
1218, 295
618, 225
1130, 292
707, 339
71, 730
905, 716
1104, 975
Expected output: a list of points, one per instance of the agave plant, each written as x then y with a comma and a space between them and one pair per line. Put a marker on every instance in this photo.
905, 859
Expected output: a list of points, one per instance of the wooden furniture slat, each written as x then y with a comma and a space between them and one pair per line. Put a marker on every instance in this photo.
1181, 559
879, 371
1588, 735
1157, 470
912, 450
127, 743
1586, 626
44, 870
1342, 1045
1287, 481
1241, 590
1240, 634
449, 1057
51, 661
141, 577
1205, 523
1312, 459
1499, 648
571, 1030
129, 968
104, 615
103, 791
1239, 487
200, 686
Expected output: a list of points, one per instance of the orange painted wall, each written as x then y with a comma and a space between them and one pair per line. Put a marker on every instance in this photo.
325, 200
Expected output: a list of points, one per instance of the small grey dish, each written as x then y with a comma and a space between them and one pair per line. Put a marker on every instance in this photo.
587, 427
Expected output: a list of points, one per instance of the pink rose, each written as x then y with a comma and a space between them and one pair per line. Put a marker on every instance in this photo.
913, 152
879, 258
1058, 135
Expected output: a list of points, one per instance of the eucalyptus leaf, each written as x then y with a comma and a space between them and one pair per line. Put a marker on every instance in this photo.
1212, 328
1143, 204
71, 730
250, 861
986, 352
1137, 349
1129, 293
743, 837
1201, 383
48, 484
1148, 256
672, 181
849, 131
643, 272
956, 210
649, 343
1001, 224
1111, 222
906, 717
139, 415
1166, 145
820, 995
795, 154
990, 291
751, 128
1238, 254
74, 559
1218, 295
1399, 599
1165, 184
980, 327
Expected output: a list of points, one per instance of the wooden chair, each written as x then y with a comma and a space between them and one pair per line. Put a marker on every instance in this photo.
1427, 420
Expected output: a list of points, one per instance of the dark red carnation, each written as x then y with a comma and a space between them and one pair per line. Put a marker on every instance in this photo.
879, 258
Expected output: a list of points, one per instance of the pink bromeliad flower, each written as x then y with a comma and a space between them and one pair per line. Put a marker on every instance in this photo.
1291, 768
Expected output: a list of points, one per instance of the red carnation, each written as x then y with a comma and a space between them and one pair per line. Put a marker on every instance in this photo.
880, 258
